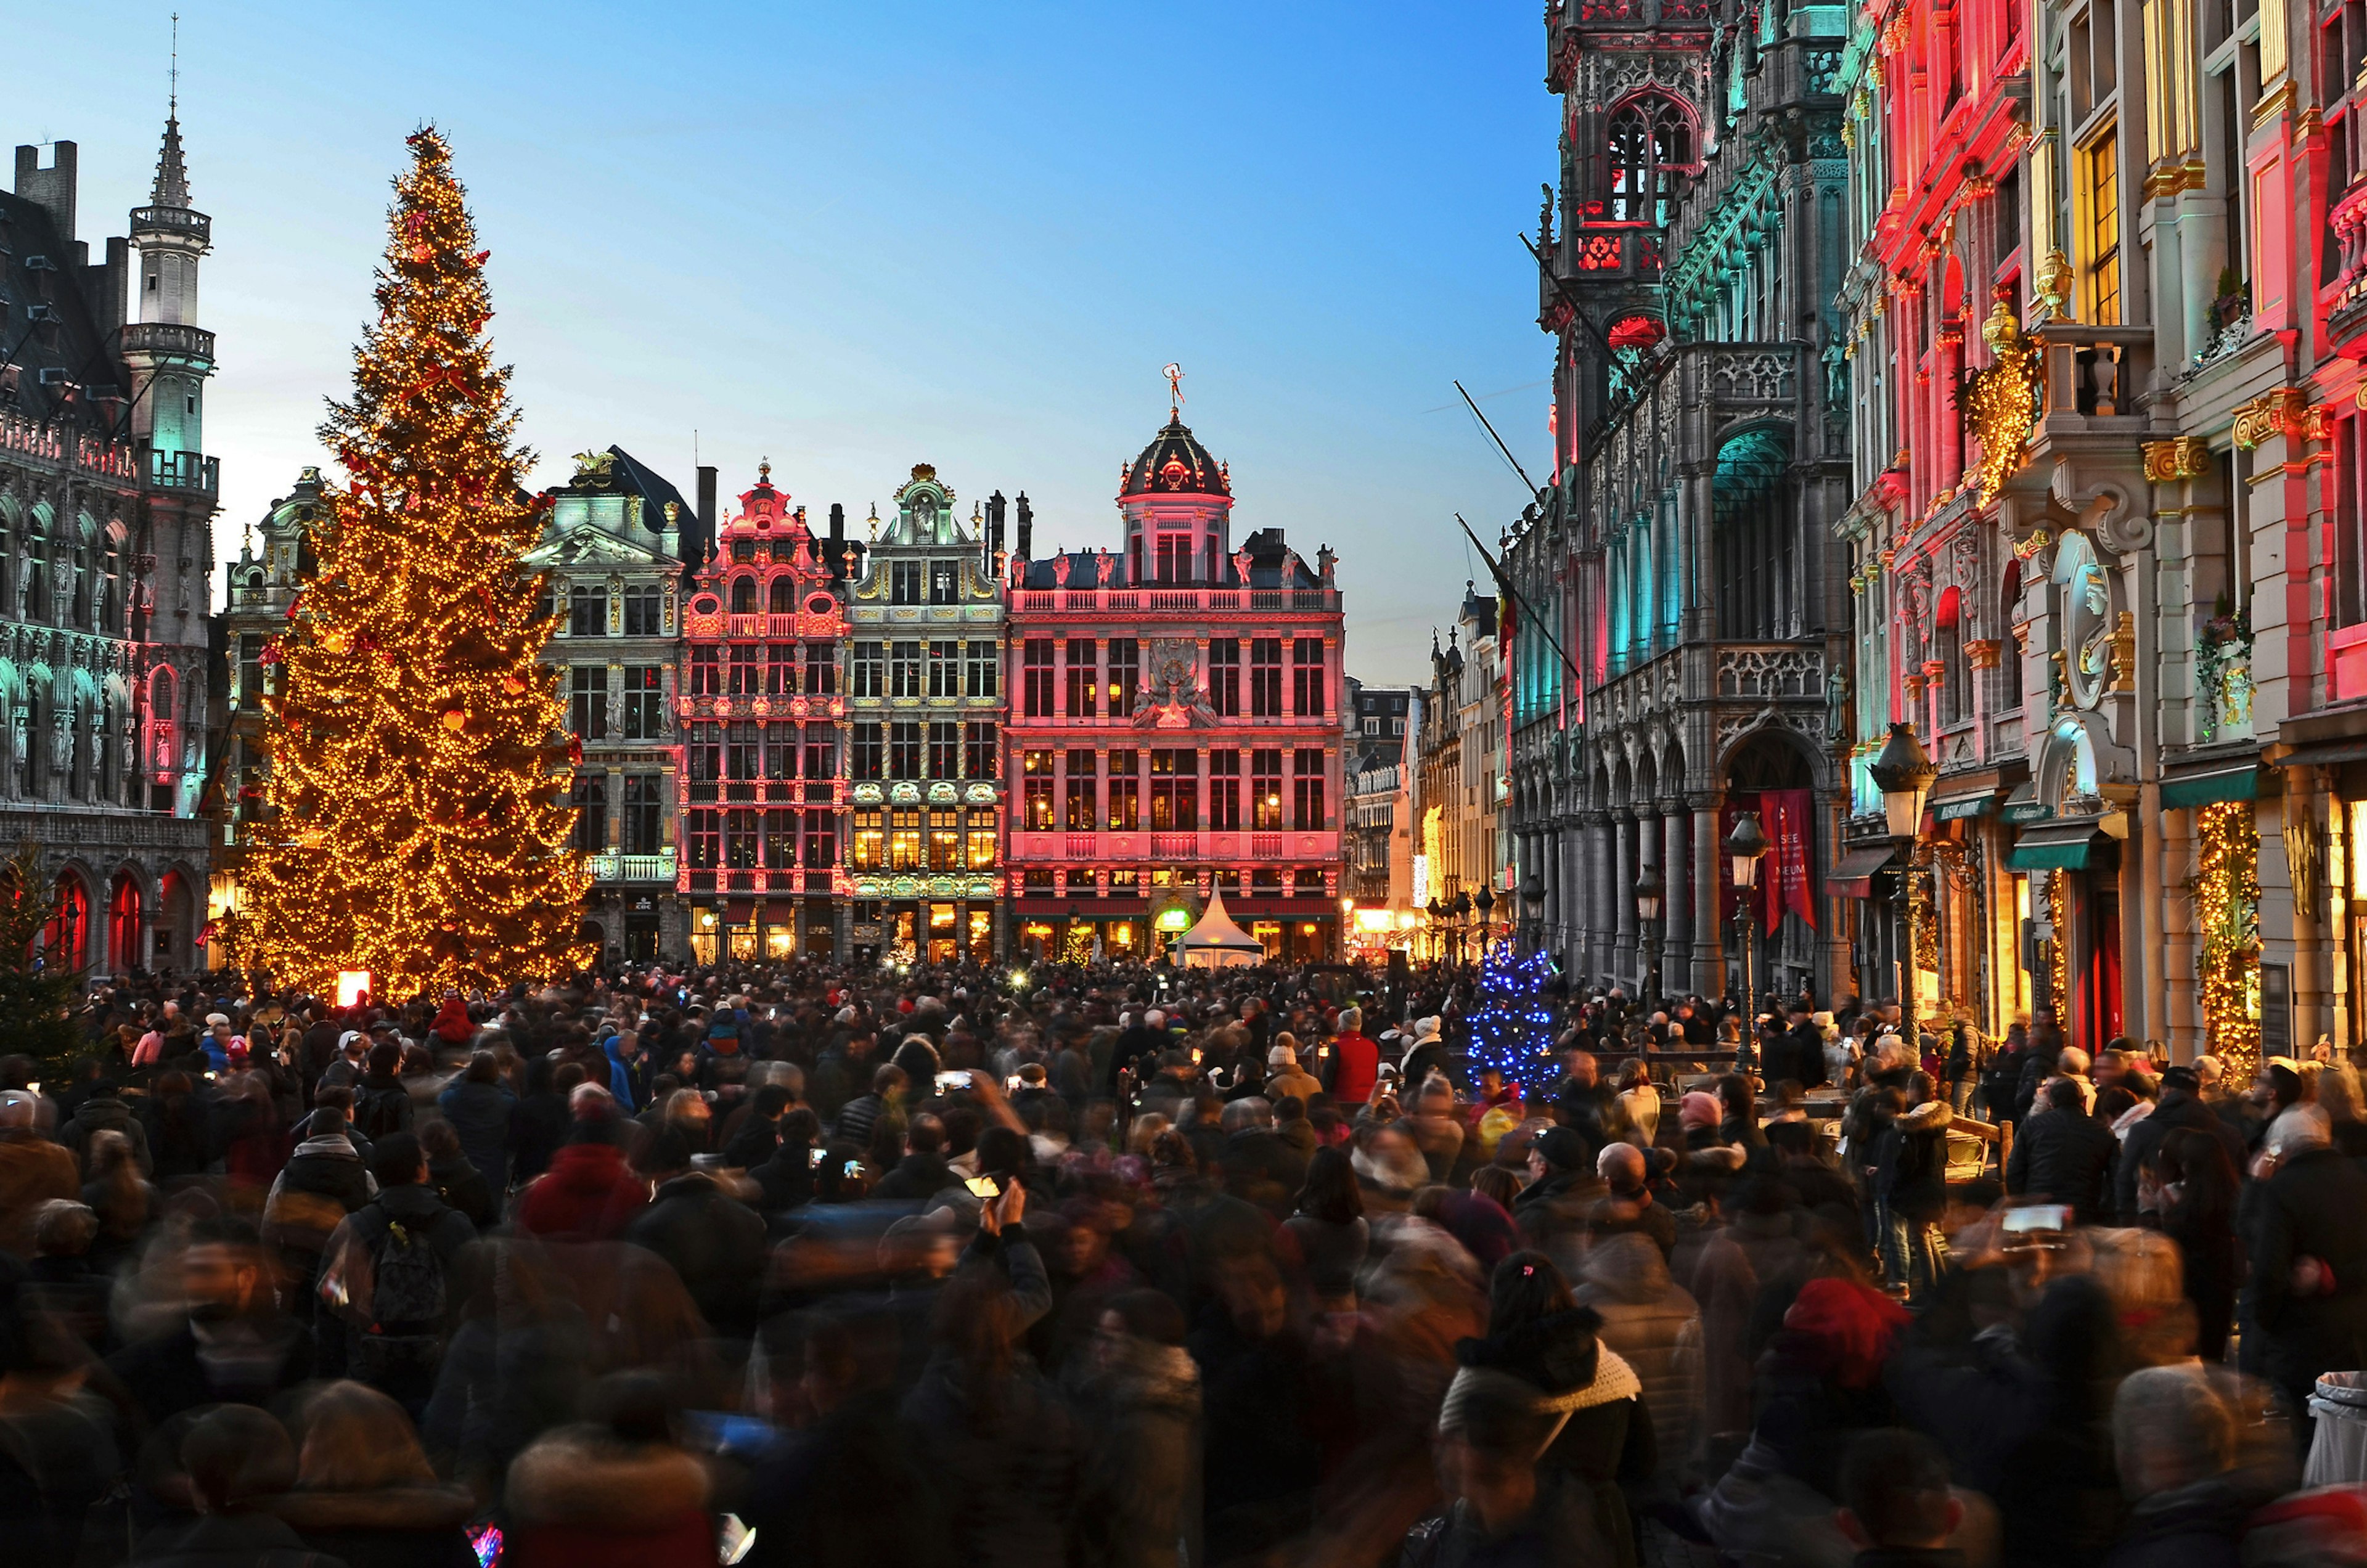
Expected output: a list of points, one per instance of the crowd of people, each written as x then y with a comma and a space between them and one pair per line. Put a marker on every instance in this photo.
795, 1264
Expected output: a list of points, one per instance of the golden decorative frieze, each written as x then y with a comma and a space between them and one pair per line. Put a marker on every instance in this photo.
2124, 653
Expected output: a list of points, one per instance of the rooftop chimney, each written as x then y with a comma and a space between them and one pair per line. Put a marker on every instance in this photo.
706, 527
1026, 528
51, 189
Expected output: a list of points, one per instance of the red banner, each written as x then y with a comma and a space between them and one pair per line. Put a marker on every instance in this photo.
1787, 817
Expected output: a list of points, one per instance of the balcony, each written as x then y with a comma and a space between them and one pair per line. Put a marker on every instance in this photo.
2095, 372
177, 220
607, 865
2346, 321
1745, 381
1226, 848
183, 470
1174, 598
171, 341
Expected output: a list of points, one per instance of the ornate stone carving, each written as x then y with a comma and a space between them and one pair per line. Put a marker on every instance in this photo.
1770, 673
1983, 653
2280, 410
2185, 457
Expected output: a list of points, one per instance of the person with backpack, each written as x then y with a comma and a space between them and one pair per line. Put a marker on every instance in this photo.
390, 1275
381, 1103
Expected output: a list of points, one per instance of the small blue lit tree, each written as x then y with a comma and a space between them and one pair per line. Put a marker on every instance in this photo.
1512, 1023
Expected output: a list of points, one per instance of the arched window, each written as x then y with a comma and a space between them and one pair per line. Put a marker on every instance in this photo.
784, 596
743, 595
1650, 136
65, 940
1948, 647
2011, 653
123, 923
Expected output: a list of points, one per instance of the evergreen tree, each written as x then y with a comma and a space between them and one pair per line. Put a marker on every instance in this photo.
418, 818
35, 994
1512, 1021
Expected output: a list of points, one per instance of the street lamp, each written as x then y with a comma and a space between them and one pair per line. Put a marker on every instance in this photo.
1485, 904
1532, 901
1904, 774
1745, 846
1462, 919
1648, 916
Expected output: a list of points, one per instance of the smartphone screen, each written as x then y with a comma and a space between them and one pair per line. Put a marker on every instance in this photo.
2039, 1217
814, 1162
854, 1169
984, 1186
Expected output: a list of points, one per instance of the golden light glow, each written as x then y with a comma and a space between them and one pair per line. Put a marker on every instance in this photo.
2227, 902
418, 818
2000, 402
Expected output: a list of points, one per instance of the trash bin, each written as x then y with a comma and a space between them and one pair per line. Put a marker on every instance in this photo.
2337, 1453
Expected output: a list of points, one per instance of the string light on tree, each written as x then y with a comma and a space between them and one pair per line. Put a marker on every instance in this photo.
418, 822
2226, 890
1512, 1023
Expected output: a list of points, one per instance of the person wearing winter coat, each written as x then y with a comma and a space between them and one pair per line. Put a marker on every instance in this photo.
587, 1194
614, 1491
238, 1462
323, 1182
996, 1439
1602, 1431
715, 1243
484, 1112
1137, 1493
1654, 1324
2064, 1155
2180, 1105
1356, 1060
365, 1491
2174, 1442
2308, 1258
1910, 1158
388, 1342
103, 1111
1286, 1076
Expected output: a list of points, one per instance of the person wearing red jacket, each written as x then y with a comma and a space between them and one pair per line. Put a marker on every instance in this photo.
1355, 1061
589, 1194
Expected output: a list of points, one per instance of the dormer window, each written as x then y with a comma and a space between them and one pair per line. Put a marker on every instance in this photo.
1651, 138
944, 582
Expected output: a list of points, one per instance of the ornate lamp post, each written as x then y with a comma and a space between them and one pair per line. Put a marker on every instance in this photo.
1647, 920
1462, 919
1904, 773
1533, 902
1745, 847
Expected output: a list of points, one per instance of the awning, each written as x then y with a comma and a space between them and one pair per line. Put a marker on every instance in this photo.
2325, 754
1852, 876
2023, 806
1964, 806
2207, 789
2054, 846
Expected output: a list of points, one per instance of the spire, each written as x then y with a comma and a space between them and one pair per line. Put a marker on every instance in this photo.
172, 175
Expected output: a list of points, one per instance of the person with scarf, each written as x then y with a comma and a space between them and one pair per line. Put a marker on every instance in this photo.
1542, 1346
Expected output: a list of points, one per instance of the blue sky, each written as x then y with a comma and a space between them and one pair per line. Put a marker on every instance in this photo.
855, 237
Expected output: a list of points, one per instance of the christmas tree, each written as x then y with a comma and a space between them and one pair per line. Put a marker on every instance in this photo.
35, 993
1512, 1023
417, 824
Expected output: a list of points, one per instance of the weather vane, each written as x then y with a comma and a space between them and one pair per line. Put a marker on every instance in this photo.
1174, 374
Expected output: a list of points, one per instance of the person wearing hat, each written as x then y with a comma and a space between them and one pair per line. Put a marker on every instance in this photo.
1285, 1076
1424, 1051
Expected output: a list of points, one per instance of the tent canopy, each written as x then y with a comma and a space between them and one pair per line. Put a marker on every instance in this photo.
1216, 942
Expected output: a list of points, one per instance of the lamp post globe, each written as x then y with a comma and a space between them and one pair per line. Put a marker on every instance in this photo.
1903, 773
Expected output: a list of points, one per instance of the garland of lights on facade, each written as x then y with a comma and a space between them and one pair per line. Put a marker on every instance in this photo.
1512, 1025
2226, 890
418, 818
2000, 402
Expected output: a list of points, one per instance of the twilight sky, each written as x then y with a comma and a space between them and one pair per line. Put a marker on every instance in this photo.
852, 237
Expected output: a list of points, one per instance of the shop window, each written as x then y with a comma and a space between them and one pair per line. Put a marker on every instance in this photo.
904, 840
1082, 780
870, 851
945, 839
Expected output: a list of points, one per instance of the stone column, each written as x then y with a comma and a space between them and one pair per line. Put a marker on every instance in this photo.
1709, 958
2149, 1018
1648, 854
1676, 925
1622, 895
1594, 864
2182, 995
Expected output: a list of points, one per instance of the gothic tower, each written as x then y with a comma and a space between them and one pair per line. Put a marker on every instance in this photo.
169, 355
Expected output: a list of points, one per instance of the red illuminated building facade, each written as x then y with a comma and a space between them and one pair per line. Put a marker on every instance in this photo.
760, 706
1174, 725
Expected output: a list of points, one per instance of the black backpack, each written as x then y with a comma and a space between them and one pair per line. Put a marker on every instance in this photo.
404, 1322
379, 1111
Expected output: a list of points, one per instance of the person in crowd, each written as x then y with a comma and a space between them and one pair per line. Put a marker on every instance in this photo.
364, 1490
483, 1111
616, 1489
2064, 1155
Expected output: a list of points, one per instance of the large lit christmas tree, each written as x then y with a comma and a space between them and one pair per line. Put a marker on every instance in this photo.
418, 825
1512, 1021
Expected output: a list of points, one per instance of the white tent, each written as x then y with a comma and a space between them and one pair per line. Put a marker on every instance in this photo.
1216, 942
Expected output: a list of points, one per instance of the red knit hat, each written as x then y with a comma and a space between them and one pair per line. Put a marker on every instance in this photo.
1851, 1326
